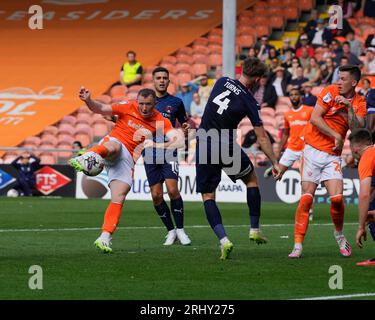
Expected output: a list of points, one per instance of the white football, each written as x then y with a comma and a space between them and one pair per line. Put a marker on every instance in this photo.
12, 193
93, 164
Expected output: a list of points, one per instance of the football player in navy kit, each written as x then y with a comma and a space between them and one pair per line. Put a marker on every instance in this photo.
229, 102
160, 169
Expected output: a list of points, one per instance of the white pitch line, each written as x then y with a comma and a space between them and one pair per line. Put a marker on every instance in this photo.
358, 295
160, 227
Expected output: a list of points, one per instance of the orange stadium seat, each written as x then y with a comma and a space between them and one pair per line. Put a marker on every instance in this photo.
199, 68
244, 29
201, 49
274, 11
9, 157
183, 77
132, 95
184, 58
291, 12
215, 59
69, 120
262, 30
118, 90
215, 39
173, 77
290, 3
47, 158
215, 48
65, 138
51, 129
245, 20
64, 154
200, 58
260, 4
169, 59
276, 21
245, 41
267, 111
100, 129
183, 67
171, 67
84, 136
260, 20
120, 98
135, 88
200, 42
48, 139
84, 118
216, 31
147, 77
29, 145
148, 85
172, 88
185, 50
104, 98
65, 128
247, 13
149, 69
260, 12
305, 5
33, 140
84, 109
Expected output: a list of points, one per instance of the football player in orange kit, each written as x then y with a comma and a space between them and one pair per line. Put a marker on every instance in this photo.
364, 150
338, 109
137, 123
295, 121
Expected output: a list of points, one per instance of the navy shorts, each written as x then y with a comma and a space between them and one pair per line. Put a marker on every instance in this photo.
209, 174
372, 203
157, 173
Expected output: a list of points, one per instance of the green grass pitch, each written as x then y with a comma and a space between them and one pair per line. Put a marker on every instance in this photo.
142, 268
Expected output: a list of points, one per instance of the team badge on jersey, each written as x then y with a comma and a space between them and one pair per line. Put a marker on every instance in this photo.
168, 109
327, 98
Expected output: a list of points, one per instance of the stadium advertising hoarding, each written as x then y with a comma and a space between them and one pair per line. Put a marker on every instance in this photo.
287, 190
51, 180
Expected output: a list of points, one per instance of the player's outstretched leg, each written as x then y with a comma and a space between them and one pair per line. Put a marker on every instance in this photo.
254, 203
82, 162
214, 218
337, 215
111, 219
301, 224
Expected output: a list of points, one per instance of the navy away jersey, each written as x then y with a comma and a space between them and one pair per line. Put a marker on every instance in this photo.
171, 108
229, 102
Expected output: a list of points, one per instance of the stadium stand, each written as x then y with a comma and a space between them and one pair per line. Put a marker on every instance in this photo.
277, 19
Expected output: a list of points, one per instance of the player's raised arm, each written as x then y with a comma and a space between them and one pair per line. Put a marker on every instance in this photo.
94, 106
354, 121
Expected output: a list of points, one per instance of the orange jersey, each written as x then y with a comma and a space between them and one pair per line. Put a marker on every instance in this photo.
296, 121
336, 118
130, 121
366, 166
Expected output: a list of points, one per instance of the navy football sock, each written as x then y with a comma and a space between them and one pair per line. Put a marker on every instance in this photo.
253, 202
177, 206
214, 218
165, 215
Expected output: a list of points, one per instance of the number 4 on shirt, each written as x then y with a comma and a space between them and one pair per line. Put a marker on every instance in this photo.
223, 104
